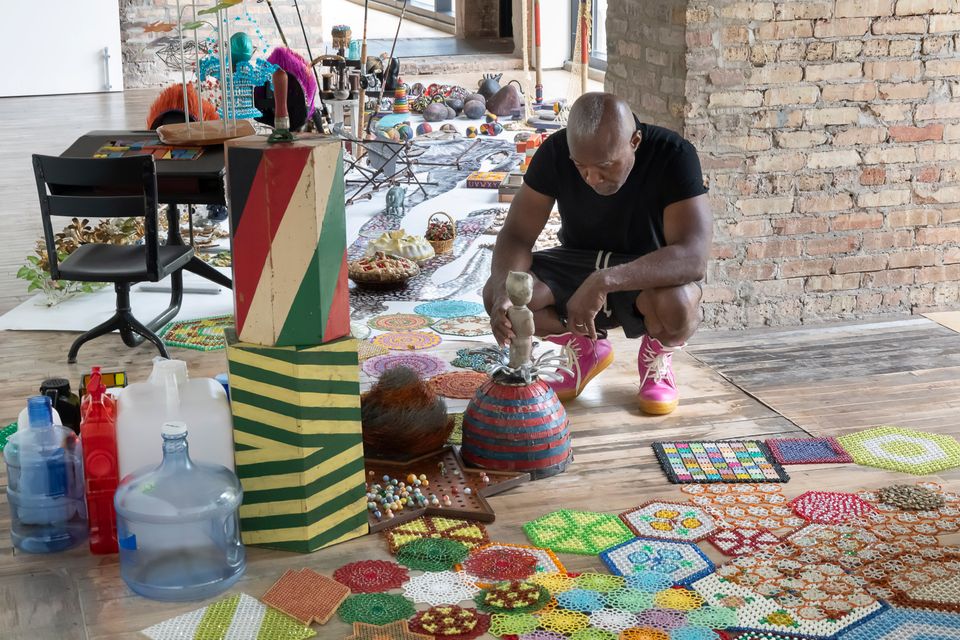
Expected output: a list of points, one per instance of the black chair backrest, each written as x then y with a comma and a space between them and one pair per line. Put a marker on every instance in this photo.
98, 188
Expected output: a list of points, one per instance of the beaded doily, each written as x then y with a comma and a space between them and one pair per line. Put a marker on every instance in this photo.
467, 532
449, 309
555, 582
829, 507
451, 622
927, 579
584, 600
513, 596
807, 451
723, 461
629, 600
905, 624
306, 596
713, 617
540, 634
375, 608
563, 621
602, 582
920, 527
503, 624
394, 631
643, 633
497, 564
423, 364
911, 497
465, 326
201, 334
399, 322
591, 633
649, 581
547, 561
670, 521
238, 617
683, 562
758, 613
742, 542
432, 554
697, 633
679, 599
460, 385
582, 532
479, 362
747, 506
367, 350
763, 635
371, 576
665, 619
905, 450
407, 340
440, 587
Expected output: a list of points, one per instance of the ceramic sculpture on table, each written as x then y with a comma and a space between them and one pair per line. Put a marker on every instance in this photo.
515, 422
395, 198
400, 243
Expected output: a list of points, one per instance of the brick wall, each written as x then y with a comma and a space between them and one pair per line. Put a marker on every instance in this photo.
142, 67
647, 40
829, 132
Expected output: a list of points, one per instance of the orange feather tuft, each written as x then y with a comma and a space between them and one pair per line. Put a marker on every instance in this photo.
171, 99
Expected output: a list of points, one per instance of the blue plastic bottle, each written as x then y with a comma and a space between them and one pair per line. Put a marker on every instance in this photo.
177, 525
45, 483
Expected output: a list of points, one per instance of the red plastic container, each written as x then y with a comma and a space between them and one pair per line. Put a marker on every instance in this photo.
98, 433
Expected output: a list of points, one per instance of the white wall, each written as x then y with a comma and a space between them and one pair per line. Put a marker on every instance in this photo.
56, 46
555, 32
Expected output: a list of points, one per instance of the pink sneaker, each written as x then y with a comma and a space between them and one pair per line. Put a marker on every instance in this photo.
658, 387
587, 359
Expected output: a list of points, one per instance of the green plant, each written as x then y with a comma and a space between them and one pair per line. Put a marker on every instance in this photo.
38, 278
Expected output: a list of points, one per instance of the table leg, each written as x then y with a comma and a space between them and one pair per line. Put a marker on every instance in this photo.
196, 265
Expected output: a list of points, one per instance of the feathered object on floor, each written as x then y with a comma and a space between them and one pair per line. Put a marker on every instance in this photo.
294, 64
402, 417
167, 108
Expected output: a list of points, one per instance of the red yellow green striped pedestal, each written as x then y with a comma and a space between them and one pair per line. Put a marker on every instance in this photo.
289, 240
298, 445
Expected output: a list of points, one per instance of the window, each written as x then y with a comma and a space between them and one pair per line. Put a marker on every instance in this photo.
598, 33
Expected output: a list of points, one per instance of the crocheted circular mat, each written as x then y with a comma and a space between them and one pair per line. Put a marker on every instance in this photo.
371, 576
424, 365
399, 322
375, 608
407, 340
449, 309
495, 564
460, 385
465, 327
432, 554
451, 622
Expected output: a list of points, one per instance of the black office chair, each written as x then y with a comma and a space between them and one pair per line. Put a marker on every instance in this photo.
111, 188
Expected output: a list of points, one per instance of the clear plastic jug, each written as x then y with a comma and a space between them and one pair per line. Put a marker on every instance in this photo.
45, 483
169, 394
177, 525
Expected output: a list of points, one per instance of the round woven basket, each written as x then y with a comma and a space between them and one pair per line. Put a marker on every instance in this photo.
442, 246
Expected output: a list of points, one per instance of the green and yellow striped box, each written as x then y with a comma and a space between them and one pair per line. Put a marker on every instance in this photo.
298, 444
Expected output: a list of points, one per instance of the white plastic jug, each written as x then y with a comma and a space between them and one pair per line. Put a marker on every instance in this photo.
169, 394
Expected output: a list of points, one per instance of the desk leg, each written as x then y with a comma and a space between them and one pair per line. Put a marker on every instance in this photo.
196, 265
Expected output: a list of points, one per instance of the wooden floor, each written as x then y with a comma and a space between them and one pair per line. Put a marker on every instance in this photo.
821, 381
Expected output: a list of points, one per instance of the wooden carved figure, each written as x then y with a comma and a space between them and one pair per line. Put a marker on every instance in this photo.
520, 290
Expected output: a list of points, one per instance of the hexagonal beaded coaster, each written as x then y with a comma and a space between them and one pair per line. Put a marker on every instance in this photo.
829, 507
583, 532
905, 450
683, 562
670, 521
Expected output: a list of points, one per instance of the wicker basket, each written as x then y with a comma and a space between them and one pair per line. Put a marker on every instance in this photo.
442, 246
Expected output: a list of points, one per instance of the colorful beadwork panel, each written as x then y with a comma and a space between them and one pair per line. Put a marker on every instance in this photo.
306, 596
583, 532
683, 562
238, 617
407, 340
424, 365
202, 334
725, 461
449, 309
670, 521
904, 450
906, 624
748, 505
464, 327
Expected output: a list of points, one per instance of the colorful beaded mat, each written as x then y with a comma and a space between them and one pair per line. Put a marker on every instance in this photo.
371, 576
512, 596
907, 624
742, 542
724, 461
547, 561
807, 450
456, 436
238, 617
424, 365
905, 450
479, 362
407, 340
451, 622
467, 532
202, 334
367, 350
683, 562
432, 554
829, 507
394, 631
449, 309
460, 385
496, 564
583, 532
670, 521
748, 505
465, 327
399, 322
306, 596
375, 608
440, 587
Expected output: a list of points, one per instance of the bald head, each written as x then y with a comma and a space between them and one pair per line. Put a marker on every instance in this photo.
603, 138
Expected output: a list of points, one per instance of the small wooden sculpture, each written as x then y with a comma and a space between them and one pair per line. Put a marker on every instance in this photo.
281, 122
520, 290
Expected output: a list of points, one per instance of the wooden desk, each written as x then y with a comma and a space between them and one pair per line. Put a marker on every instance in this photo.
189, 182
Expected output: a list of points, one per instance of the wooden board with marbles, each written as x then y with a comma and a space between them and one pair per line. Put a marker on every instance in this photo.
461, 492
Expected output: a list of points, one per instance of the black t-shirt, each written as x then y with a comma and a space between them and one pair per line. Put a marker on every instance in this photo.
666, 170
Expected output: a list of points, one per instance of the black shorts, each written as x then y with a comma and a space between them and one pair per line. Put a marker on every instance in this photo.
564, 270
